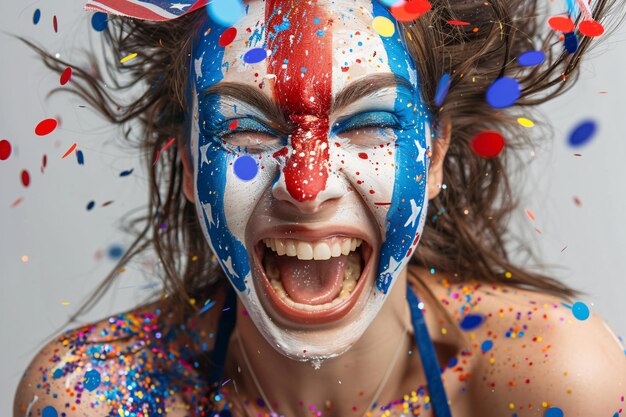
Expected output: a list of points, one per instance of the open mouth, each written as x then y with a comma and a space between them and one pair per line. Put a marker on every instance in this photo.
314, 282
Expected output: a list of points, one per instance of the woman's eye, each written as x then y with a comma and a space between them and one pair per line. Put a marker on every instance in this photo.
247, 133
367, 120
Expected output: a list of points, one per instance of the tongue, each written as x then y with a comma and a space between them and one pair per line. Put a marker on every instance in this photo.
312, 282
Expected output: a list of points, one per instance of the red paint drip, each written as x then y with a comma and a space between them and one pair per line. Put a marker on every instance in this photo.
305, 97
25, 178
362, 155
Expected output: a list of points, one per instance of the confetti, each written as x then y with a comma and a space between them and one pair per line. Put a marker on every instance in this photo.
471, 321
580, 310
225, 12
5, 149
227, 37
458, 23
45, 127
442, 89
582, 133
531, 58
99, 21
126, 173
553, 412
55, 24
207, 305
591, 28
17, 202
79, 157
525, 122
91, 205
36, 16
233, 125
44, 162
487, 144
25, 178
115, 252
91, 380
570, 42
404, 11
245, 168
530, 215
66, 75
503, 92
486, 345
383, 26
69, 151
128, 57
49, 411
163, 149
561, 23
254, 55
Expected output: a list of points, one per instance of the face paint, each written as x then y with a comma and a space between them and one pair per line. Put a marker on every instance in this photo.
357, 170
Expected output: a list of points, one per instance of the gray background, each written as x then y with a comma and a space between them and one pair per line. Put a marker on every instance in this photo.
63, 240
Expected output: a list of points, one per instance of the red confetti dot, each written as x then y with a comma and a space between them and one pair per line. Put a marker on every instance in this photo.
561, 24
487, 144
458, 23
5, 149
362, 155
233, 125
409, 11
66, 75
25, 178
227, 37
55, 24
591, 28
45, 127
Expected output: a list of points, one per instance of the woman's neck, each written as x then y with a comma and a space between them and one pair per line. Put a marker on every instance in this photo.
339, 384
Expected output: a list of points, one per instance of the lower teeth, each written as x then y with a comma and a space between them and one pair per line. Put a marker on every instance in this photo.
351, 276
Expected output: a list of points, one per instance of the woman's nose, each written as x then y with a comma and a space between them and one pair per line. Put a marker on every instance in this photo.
309, 199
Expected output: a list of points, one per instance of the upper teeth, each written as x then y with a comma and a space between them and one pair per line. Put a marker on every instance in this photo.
320, 250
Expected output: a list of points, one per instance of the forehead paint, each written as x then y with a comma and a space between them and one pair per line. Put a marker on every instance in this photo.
303, 89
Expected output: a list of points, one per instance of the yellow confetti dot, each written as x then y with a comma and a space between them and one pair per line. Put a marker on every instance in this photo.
444, 330
383, 26
525, 122
511, 406
65, 303
128, 57
507, 274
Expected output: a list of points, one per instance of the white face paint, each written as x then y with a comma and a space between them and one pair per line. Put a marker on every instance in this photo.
356, 171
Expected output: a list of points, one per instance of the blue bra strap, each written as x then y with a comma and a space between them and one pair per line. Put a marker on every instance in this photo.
429, 357
225, 327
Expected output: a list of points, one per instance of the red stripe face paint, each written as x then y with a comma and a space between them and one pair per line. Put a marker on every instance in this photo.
301, 59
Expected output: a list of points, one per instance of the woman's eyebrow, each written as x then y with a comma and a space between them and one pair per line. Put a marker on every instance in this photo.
269, 108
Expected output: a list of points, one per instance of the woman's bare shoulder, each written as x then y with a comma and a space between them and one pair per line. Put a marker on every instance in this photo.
536, 351
112, 366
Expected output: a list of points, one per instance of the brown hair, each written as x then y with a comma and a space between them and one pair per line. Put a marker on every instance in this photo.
466, 230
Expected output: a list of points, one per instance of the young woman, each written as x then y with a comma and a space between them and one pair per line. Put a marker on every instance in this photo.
330, 223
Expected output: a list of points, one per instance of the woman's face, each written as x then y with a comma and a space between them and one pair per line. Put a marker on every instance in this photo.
309, 165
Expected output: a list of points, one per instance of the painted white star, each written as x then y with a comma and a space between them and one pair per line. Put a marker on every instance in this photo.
415, 211
179, 6
393, 265
209, 213
198, 66
228, 264
203, 152
421, 152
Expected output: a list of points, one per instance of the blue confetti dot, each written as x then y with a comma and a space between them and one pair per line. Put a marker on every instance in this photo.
452, 362
580, 310
320, 32
486, 345
91, 380
49, 411
58, 373
126, 173
245, 168
80, 158
316, 20
91, 204
571, 42
471, 321
442, 89
225, 12
582, 133
36, 16
503, 92
254, 55
115, 252
553, 412
531, 58
99, 21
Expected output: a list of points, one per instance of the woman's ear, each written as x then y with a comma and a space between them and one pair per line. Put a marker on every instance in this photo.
439, 148
188, 185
